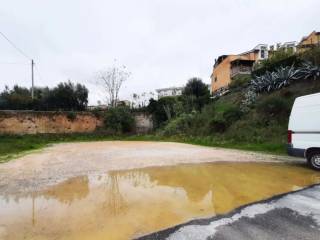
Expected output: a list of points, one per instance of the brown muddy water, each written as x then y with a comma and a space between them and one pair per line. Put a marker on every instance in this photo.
131, 203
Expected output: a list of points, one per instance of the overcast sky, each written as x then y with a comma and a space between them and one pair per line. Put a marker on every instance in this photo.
162, 42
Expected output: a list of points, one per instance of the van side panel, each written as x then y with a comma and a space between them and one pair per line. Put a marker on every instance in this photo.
304, 123
305, 140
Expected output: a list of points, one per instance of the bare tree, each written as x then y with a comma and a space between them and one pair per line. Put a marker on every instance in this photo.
111, 80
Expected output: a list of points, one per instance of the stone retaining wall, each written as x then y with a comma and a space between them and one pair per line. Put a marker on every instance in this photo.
33, 122
30, 122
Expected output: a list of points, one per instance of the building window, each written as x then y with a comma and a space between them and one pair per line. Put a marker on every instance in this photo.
262, 54
216, 79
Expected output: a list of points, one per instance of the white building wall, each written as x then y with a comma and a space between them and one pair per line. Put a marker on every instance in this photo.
169, 92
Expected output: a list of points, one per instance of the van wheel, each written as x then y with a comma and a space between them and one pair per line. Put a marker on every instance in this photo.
314, 160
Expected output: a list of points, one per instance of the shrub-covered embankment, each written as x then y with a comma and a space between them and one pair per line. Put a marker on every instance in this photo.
253, 114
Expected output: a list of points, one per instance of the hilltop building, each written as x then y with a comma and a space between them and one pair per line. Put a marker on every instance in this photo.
169, 92
287, 47
125, 103
310, 41
227, 67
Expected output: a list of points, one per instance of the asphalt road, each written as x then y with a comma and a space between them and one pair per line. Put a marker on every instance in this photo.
294, 215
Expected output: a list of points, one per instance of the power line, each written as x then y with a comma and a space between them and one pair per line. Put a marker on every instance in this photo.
15, 46
25, 55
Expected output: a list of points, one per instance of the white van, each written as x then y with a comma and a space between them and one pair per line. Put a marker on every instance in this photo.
304, 129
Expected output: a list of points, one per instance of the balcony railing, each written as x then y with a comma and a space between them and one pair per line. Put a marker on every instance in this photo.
236, 70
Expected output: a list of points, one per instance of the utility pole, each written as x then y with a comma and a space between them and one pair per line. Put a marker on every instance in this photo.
32, 79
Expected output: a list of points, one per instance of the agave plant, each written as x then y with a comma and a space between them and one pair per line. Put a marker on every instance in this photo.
308, 70
264, 83
271, 81
284, 76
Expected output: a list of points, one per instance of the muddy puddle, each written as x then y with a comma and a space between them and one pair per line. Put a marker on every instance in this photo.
128, 204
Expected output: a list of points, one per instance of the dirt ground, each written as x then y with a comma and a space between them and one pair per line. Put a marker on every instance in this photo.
84, 191
62, 161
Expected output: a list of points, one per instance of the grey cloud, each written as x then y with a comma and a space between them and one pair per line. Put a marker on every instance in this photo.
162, 42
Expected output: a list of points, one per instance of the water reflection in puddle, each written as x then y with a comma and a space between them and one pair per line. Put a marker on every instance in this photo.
124, 204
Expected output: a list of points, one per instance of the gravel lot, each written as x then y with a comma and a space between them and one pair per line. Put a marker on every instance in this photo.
62, 161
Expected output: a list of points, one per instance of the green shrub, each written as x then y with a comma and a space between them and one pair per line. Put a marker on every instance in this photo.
274, 107
222, 120
179, 125
98, 113
119, 120
232, 115
195, 95
218, 125
278, 59
164, 109
286, 93
240, 81
312, 55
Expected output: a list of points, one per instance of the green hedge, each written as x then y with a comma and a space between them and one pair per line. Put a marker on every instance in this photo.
270, 65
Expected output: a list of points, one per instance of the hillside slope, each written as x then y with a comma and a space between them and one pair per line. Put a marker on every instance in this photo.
221, 123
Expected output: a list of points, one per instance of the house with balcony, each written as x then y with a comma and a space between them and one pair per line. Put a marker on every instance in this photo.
241, 67
308, 42
227, 67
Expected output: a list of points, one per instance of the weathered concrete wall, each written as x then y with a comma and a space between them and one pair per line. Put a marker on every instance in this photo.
29, 122
144, 123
